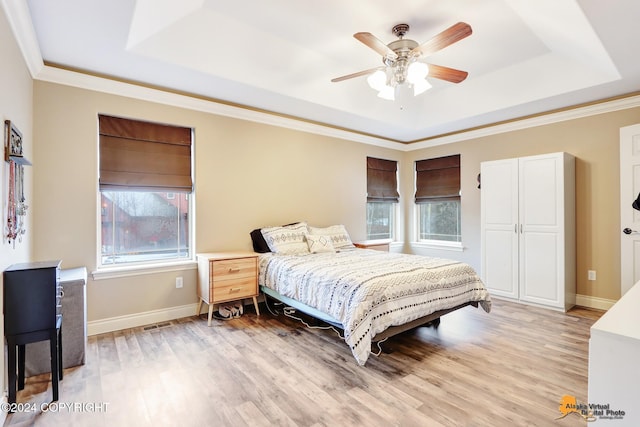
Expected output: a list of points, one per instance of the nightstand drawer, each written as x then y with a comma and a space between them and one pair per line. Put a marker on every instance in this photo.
225, 290
233, 268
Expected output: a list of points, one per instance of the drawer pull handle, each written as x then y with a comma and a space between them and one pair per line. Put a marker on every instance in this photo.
234, 269
235, 289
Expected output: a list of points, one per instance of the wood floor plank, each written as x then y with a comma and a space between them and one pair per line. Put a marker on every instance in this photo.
509, 367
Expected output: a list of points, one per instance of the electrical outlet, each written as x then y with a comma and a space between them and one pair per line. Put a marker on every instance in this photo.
178, 282
591, 275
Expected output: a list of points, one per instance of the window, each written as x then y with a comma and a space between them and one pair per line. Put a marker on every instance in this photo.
145, 192
380, 220
438, 199
382, 198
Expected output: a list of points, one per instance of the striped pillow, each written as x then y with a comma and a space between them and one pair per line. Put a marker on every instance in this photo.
288, 239
338, 234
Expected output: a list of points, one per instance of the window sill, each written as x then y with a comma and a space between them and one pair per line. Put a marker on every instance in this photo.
433, 244
138, 270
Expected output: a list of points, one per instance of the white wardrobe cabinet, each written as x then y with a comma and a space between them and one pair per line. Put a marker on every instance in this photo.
528, 229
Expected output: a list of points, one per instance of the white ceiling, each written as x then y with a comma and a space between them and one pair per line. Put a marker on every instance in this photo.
523, 58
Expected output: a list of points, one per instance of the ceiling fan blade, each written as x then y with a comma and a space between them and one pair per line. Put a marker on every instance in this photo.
358, 74
446, 38
445, 73
376, 44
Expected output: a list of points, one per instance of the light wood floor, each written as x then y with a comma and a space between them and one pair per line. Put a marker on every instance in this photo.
507, 368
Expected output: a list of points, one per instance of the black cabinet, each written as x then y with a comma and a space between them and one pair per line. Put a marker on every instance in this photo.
32, 312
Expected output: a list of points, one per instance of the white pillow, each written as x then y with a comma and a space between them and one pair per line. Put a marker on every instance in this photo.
318, 244
288, 239
338, 233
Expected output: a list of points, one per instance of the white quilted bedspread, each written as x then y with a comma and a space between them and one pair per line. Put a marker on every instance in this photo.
368, 291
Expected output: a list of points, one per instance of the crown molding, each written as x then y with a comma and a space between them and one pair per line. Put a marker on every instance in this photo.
130, 90
529, 122
114, 87
17, 12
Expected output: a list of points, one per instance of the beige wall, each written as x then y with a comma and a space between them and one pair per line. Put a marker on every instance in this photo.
247, 175
16, 90
594, 141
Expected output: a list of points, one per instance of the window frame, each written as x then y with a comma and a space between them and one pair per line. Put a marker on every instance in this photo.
393, 219
108, 271
436, 243
382, 188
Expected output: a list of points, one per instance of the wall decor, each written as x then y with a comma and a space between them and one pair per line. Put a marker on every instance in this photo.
16, 202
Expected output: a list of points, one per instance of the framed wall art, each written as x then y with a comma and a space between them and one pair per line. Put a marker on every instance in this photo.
13, 144
16, 203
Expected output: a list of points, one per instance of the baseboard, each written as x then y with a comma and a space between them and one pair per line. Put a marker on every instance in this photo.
594, 302
111, 324
148, 317
581, 300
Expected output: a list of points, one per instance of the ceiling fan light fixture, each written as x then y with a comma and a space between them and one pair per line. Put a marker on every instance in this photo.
401, 65
377, 80
417, 71
388, 93
420, 86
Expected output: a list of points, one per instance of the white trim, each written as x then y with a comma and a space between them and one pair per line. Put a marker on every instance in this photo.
118, 323
525, 123
139, 270
89, 82
84, 81
445, 246
71, 78
19, 18
396, 245
594, 302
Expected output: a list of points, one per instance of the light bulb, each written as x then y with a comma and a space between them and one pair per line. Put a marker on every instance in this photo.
420, 86
387, 92
417, 71
377, 80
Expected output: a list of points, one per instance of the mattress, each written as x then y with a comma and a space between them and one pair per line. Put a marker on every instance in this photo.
368, 291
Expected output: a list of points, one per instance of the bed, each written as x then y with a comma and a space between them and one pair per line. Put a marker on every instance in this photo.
369, 294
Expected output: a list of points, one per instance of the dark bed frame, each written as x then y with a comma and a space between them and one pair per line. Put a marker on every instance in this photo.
433, 318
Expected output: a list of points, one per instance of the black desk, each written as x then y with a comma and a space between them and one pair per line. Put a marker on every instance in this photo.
32, 313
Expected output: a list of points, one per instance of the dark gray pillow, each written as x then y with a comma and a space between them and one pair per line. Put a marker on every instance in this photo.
259, 244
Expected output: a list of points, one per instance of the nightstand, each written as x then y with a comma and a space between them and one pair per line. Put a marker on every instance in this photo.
379, 244
227, 276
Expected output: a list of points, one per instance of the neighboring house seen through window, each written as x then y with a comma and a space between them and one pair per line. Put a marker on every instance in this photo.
145, 192
438, 199
382, 198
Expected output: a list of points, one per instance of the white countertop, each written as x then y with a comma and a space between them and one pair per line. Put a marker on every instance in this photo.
624, 317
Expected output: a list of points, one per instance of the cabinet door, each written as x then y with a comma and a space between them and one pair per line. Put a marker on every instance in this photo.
541, 239
499, 212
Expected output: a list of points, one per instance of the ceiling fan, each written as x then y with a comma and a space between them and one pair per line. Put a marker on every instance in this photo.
400, 59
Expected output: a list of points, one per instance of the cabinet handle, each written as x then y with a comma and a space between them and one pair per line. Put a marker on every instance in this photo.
234, 269
520, 228
234, 290
515, 228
